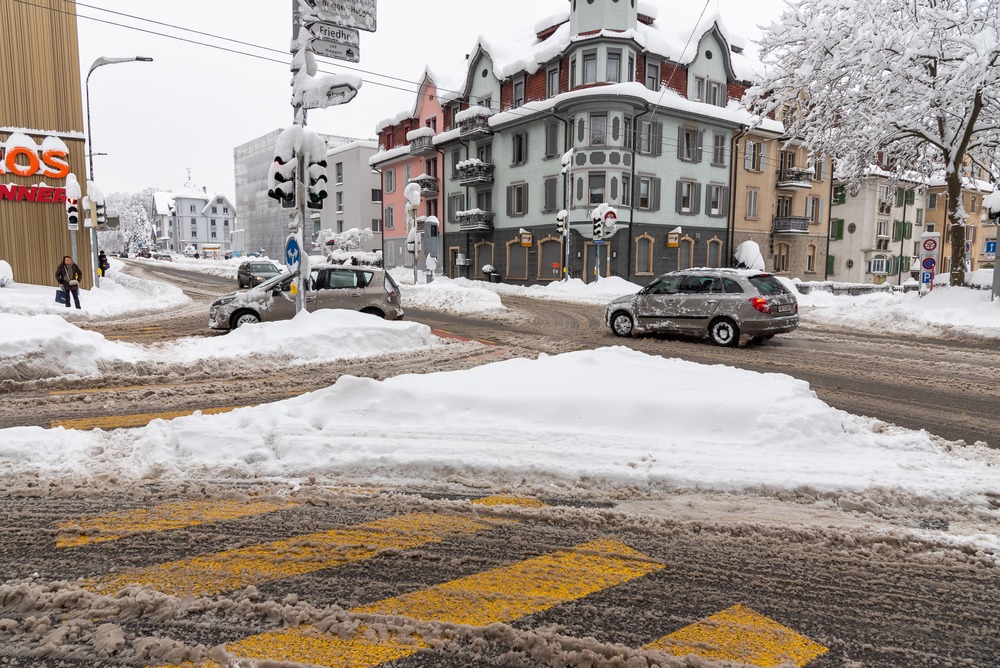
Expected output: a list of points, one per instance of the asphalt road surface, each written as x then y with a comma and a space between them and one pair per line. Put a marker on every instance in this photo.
273, 574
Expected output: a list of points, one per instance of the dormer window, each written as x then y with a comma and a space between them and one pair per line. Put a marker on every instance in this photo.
552, 81
652, 75
590, 68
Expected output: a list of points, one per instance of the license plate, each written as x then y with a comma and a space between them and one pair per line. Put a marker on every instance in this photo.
785, 308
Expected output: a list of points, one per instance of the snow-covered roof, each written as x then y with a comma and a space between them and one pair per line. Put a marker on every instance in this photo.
360, 143
163, 202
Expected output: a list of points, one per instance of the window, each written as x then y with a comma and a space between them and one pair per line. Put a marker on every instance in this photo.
715, 94
817, 167
715, 203
626, 190
340, 202
596, 183
520, 148
839, 195
932, 201
614, 67
407, 175
589, 68
644, 255
431, 167
518, 93
781, 253
598, 129
390, 181
432, 123
882, 228
811, 259
629, 139
686, 197
650, 138
389, 222
784, 207
814, 210
699, 89
753, 197
652, 75
877, 265
572, 73
920, 219
630, 75
552, 81
645, 192
215, 209
376, 195
455, 158
484, 152
719, 150
753, 159
550, 197
837, 229
194, 230
225, 209
339, 171
376, 226
972, 204
192, 209
456, 203
688, 146
885, 200
517, 199
484, 200
432, 207
714, 257
551, 140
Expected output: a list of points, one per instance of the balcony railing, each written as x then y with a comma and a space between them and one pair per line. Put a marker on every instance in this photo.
791, 225
794, 179
475, 220
428, 185
422, 145
477, 174
475, 126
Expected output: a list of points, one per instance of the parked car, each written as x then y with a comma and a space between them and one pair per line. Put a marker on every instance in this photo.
163, 256
721, 304
254, 273
364, 289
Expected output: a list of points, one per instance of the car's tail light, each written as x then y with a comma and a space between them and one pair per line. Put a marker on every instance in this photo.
760, 304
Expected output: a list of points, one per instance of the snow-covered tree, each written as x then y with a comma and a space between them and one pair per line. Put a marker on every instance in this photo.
904, 85
352, 239
135, 222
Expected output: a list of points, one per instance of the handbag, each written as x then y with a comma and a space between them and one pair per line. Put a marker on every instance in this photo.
62, 296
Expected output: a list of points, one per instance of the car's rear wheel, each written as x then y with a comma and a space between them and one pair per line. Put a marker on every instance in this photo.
724, 332
241, 318
622, 324
373, 311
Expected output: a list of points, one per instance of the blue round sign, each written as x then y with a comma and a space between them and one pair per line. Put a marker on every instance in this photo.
292, 253
928, 263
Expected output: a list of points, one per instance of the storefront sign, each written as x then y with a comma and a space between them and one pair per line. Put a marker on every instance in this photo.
37, 194
21, 156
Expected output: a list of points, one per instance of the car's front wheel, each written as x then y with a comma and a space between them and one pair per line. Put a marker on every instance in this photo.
245, 318
724, 332
622, 324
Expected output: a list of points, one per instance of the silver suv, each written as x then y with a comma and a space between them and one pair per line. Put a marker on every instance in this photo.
721, 304
364, 289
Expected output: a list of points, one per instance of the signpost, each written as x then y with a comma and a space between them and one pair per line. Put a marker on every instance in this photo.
929, 243
335, 41
991, 249
293, 253
360, 14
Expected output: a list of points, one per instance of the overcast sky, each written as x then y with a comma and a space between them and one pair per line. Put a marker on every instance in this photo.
194, 104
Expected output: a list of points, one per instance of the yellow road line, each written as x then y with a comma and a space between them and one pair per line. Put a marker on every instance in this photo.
741, 635
89, 530
213, 574
500, 595
139, 420
509, 501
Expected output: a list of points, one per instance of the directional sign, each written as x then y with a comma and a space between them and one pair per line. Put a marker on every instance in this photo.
335, 41
293, 254
930, 245
991, 248
322, 97
359, 14
928, 263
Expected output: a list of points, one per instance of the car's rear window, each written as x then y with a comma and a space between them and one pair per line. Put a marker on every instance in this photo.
262, 267
768, 285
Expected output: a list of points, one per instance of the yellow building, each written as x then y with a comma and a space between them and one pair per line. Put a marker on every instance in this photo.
42, 139
980, 228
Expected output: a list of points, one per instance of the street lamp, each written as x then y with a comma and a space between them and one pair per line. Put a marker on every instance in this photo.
100, 62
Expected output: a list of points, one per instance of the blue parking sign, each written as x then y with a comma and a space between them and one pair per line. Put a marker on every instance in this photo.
926, 277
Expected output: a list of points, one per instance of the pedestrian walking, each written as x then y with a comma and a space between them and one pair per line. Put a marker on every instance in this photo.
103, 264
68, 276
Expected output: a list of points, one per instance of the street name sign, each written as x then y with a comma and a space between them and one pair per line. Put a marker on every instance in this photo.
335, 41
360, 14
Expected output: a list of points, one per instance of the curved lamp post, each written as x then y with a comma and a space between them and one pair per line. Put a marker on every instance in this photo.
100, 62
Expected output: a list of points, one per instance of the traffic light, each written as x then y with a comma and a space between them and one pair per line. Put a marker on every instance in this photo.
598, 228
72, 213
102, 213
281, 179
314, 152
561, 224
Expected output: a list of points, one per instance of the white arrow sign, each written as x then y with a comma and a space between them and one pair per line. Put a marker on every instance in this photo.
348, 13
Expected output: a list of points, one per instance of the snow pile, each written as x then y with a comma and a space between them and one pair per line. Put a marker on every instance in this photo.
445, 294
944, 310
675, 424
223, 268
47, 347
119, 294
6, 274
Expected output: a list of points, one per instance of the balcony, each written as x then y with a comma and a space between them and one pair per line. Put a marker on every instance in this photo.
791, 225
474, 173
428, 185
795, 179
475, 220
475, 127
422, 145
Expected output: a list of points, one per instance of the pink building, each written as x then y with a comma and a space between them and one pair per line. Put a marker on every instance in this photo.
408, 155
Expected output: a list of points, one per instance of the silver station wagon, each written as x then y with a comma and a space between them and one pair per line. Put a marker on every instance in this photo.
364, 289
721, 304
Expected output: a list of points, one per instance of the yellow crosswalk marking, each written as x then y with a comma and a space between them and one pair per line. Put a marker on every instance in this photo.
259, 564
741, 635
500, 595
88, 530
